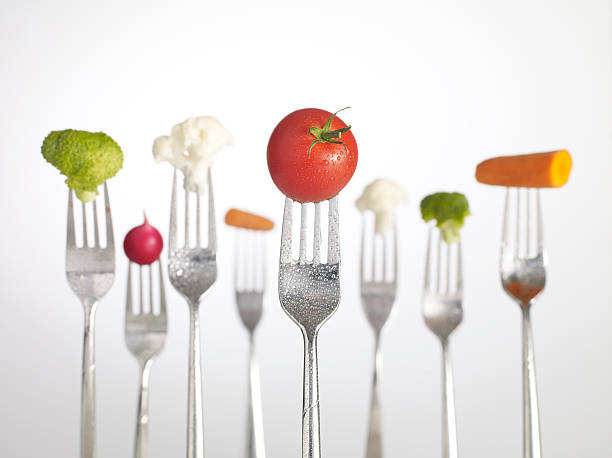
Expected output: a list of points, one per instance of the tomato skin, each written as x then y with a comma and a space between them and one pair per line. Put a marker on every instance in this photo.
320, 176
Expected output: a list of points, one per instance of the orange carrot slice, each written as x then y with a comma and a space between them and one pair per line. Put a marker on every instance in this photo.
536, 170
247, 220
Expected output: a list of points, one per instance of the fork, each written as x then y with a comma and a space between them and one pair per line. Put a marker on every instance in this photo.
250, 288
443, 312
523, 275
90, 272
309, 293
145, 336
377, 298
192, 271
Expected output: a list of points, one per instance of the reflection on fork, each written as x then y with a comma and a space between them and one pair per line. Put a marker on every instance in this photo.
249, 283
309, 292
90, 271
377, 297
145, 336
523, 275
443, 312
192, 269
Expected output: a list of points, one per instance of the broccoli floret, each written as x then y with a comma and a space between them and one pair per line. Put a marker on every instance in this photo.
87, 159
449, 210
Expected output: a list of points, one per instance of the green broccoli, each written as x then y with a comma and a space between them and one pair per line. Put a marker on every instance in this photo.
449, 210
88, 159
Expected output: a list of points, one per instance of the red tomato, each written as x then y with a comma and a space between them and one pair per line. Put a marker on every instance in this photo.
320, 174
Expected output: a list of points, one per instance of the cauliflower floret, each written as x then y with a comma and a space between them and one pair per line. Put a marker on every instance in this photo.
381, 197
191, 147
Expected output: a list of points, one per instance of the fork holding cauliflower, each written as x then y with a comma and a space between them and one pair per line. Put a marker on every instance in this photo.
191, 147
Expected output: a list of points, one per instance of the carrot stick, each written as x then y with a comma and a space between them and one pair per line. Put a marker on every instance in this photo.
247, 220
536, 170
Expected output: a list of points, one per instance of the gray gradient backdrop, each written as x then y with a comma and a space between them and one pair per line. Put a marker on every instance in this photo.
435, 87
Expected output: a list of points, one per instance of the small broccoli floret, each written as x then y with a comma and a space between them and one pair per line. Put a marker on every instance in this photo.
87, 159
449, 210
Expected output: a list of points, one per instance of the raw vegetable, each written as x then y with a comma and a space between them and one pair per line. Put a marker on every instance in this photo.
448, 210
246, 220
381, 197
537, 170
87, 159
143, 244
312, 155
191, 147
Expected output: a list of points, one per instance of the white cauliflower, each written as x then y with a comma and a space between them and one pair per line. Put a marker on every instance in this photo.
381, 197
191, 147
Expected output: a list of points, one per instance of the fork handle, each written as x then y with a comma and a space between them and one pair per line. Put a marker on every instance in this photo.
449, 427
311, 442
255, 445
532, 447
142, 420
374, 444
195, 431
88, 385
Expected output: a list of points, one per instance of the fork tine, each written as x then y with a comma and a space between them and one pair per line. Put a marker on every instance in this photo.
538, 216
198, 244
110, 237
333, 243
84, 212
264, 264
459, 269
395, 250
129, 309
303, 230
362, 253
527, 223
447, 261
212, 228
150, 289
373, 260
187, 218
439, 257
285, 256
237, 252
385, 270
518, 222
316, 250
506, 225
96, 230
70, 231
141, 290
426, 283
172, 242
162, 291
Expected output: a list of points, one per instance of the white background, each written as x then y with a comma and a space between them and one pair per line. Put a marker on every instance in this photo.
435, 87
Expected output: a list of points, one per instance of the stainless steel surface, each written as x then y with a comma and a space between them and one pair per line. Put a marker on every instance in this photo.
192, 271
309, 293
250, 283
377, 298
443, 312
90, 271
523, 275
145, 335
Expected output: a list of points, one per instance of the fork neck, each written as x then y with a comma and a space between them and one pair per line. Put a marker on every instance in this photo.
89, 307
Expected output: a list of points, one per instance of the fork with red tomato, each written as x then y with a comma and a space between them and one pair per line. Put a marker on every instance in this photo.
311, 156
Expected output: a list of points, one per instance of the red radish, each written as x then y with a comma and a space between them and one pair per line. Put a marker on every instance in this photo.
143, 244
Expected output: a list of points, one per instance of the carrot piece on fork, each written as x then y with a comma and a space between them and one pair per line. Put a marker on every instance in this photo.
536, 170
247, 220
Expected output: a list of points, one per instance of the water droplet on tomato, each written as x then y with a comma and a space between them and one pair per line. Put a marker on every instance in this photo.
339, 157
325, 162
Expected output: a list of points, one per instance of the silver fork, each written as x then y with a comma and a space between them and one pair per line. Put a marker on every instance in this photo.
192, 271
250, 289
377, 298
90, 272
523, 275
309, 293
145, 336
443, 312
